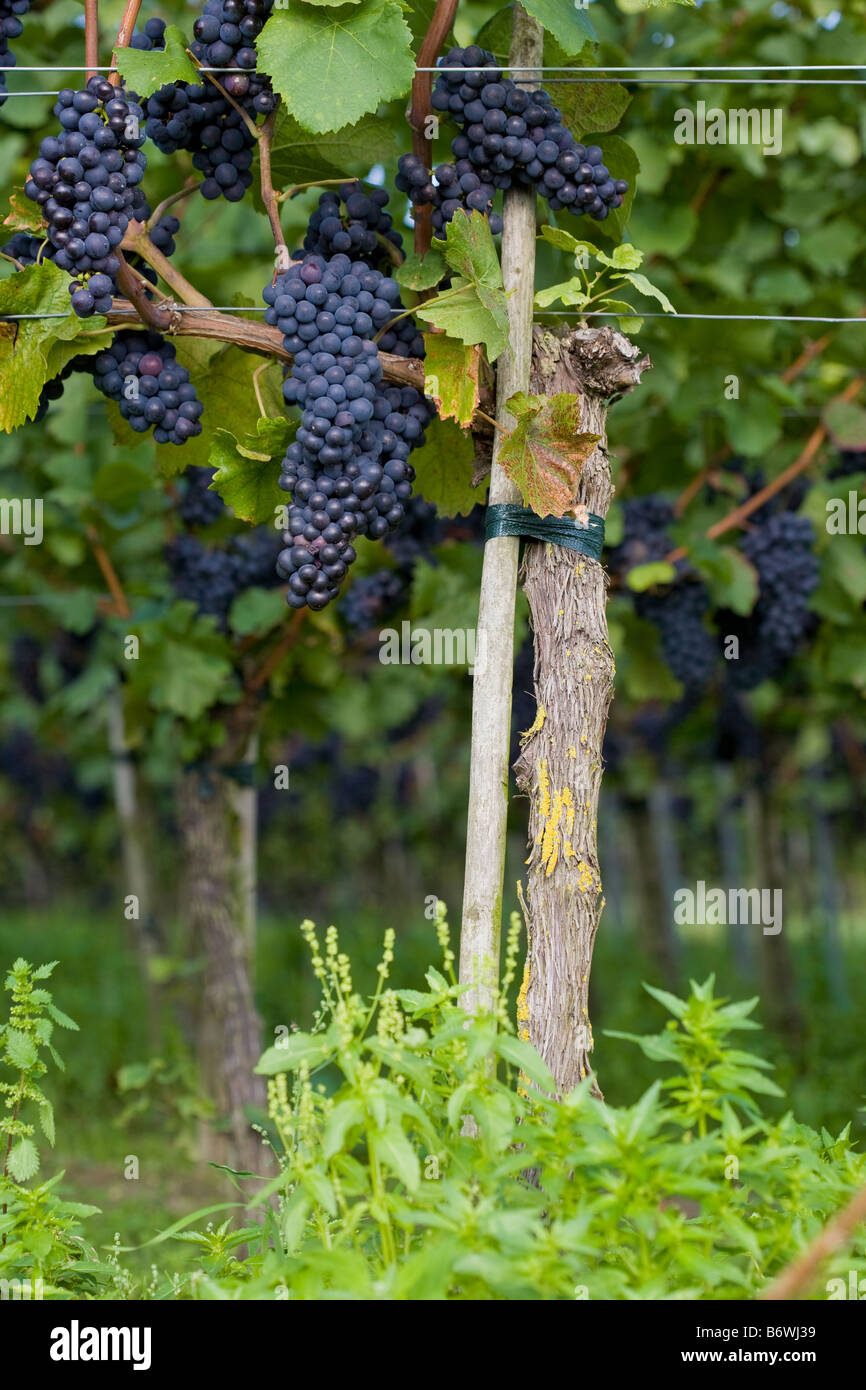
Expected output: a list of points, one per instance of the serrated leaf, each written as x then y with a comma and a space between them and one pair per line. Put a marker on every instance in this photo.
21, 1050
472, 313
344, 1116
469, 248
23, 1160
144, 71
25, 345
298, 157
586, 105
451, 377
443, 468
392, 1148
333, 67
571, 292
545, 452
247, 479
643, 577
46, 1119
296, 1048
645, 286
523, 1055
421, 272
24, 215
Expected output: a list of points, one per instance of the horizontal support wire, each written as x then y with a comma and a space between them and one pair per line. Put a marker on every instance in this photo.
549, 313
649, 67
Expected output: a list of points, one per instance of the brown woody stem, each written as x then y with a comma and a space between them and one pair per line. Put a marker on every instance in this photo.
124, 35
419, 110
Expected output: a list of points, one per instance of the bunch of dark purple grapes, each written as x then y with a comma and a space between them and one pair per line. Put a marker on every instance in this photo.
197, 116
140, 372
508, 137
347, 469
85, 180
352, 221
782, 551
678, 611
212, 576
10, 28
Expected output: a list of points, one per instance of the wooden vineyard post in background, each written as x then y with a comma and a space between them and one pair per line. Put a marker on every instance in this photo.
491, 696
560, 764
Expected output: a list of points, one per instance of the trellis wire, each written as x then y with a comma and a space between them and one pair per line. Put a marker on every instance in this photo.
553, 313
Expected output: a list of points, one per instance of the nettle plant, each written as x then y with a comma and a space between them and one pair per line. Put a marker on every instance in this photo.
43, 1252
422, 1155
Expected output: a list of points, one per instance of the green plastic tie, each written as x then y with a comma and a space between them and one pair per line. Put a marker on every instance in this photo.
507, 519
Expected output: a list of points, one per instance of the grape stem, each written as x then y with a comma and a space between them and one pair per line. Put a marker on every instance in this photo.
419, 109
251, 126
137, 240
269, 197
162, 208
109, 574
124, 35
91, 37
136, 290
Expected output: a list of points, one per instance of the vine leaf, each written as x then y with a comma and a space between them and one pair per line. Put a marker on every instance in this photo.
29, 348
246, 476
846, 425
570, 26
421, 272
146, 71
473, 310
451, 377
224, 379
331, 67
24, 215
597, 106
443, 468
545, 452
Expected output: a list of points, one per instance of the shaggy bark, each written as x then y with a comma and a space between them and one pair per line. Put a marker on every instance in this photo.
560, 764
229, 1035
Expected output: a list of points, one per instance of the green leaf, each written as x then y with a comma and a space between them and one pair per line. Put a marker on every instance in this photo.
257, 611
421, 272
121, 484
732, 580
570, 26
25, 345
443, 468
571, 292
846, 425
451, 377
145, 71
21, 1050
392, 1148
473, 313
319, 1186
247, 476
46, 1119
298, 157
331, 67
345, 1115
646, 287
643, 577
296, 1048
545, 452
523, 1055
469, 248
184, 664
587, 105
23, 1161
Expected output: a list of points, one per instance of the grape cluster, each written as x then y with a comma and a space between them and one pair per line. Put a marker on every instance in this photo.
27, 249
508, 136
372, 598
360, 231
86, 182
679, 611
347, 469
198, 118
152, 36
199, 506
781, 550
140, 372
212, 576
10, 28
